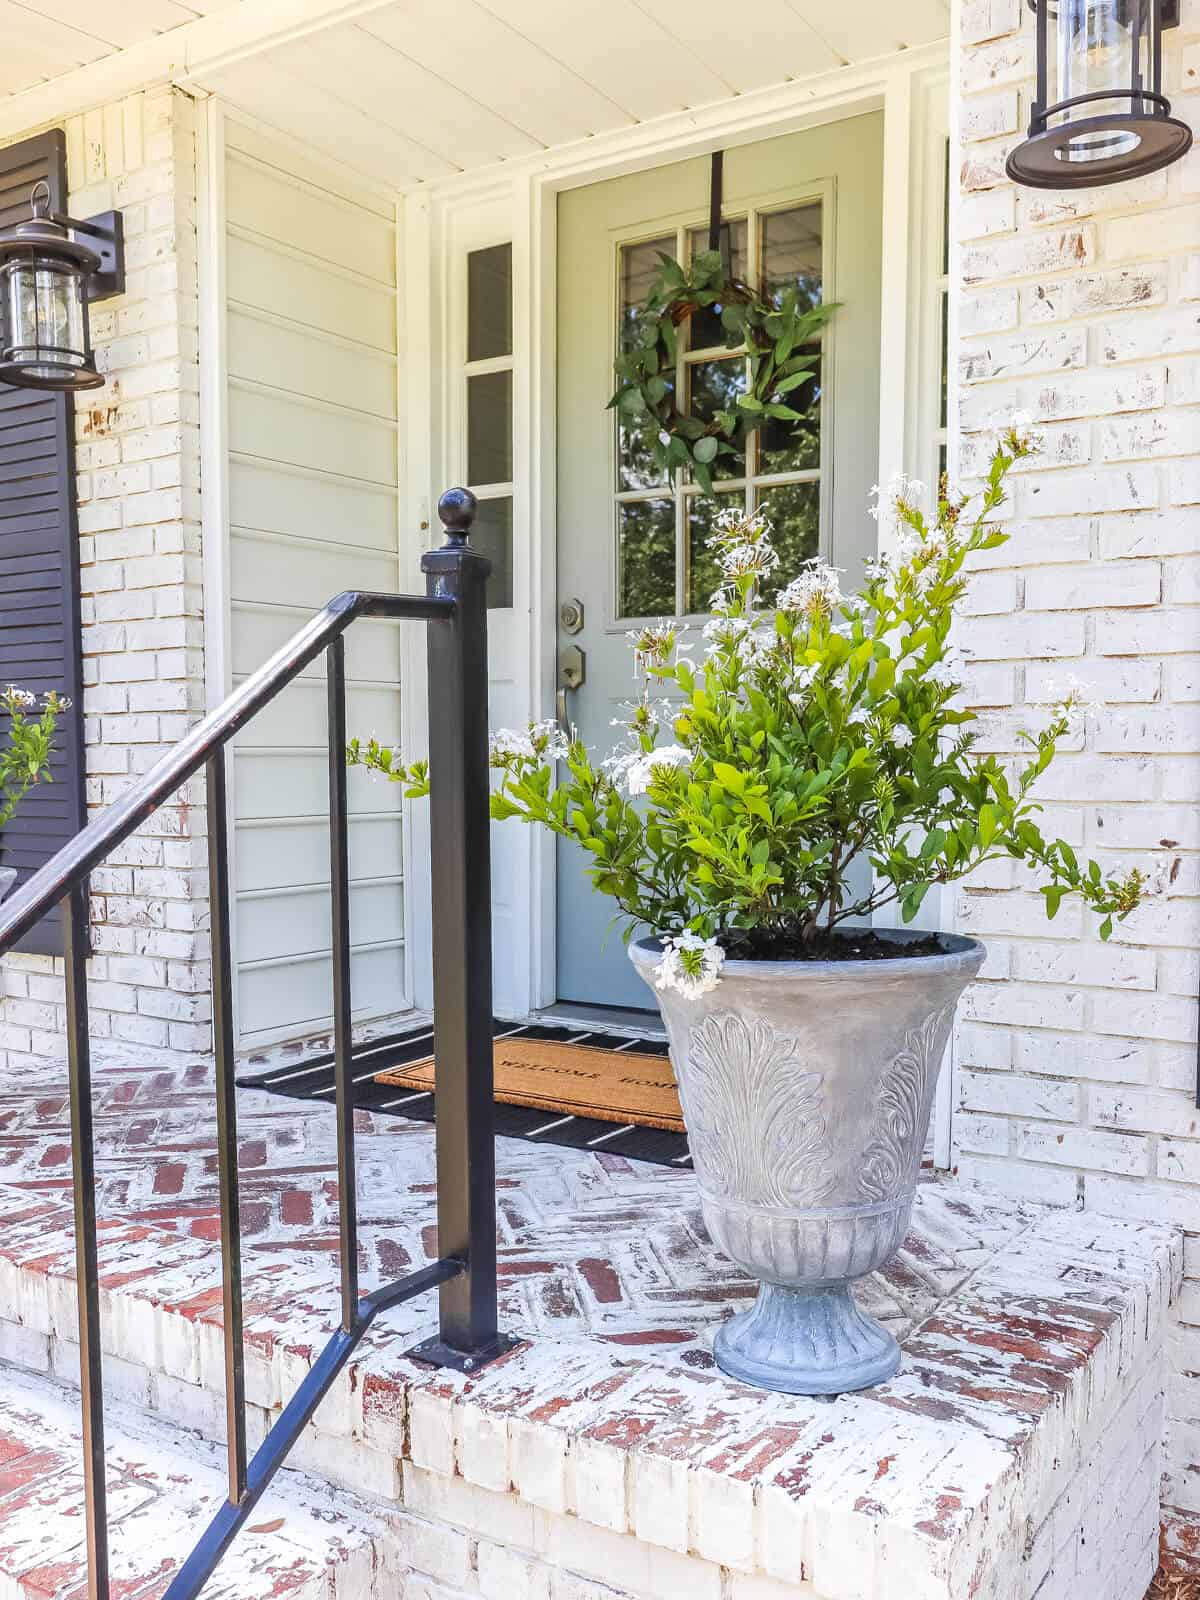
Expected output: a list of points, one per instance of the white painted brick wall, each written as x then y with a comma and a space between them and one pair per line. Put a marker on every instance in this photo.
1077, 1060
138, 485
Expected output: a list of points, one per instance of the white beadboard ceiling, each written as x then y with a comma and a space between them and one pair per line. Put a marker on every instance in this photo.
417, 90
408, 91
45, 39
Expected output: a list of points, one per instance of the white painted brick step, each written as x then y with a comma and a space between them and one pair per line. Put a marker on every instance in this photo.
305, 1540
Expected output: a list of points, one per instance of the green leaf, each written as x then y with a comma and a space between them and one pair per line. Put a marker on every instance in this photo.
705, 450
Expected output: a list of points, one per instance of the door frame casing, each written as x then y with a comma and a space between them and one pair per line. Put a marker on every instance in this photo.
525, 193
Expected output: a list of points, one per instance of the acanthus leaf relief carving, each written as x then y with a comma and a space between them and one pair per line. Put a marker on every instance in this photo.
891, 1158
755, 1114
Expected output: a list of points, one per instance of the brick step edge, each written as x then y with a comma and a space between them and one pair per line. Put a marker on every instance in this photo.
304, 1539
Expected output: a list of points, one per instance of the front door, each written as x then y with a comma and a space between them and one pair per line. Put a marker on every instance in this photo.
804, 209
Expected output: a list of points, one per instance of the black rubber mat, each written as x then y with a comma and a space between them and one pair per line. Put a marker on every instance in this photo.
313, 1080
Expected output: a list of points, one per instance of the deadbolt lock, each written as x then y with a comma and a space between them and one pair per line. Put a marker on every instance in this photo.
570, 615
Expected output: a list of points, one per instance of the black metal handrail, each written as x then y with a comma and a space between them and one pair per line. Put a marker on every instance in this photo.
454, 608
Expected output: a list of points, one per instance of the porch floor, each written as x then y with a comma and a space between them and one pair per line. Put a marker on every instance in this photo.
1032, 1340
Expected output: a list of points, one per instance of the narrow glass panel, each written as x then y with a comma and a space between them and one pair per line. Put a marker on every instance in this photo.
639, 265
706, 330
704, 571
795, 446
795, 513
489, 303
492, 536
635, 458
791, 253
647, 558
489, 427
714, 386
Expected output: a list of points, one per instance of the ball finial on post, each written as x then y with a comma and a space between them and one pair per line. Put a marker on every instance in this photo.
456, 512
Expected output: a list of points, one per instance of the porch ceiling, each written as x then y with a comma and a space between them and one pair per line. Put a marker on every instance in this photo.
409, 91
418, 90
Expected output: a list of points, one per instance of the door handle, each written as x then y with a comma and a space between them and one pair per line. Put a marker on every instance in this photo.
572, 671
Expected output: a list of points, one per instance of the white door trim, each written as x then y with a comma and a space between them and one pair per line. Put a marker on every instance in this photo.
528, 189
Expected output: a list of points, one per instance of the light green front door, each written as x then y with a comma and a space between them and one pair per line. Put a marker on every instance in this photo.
804, 209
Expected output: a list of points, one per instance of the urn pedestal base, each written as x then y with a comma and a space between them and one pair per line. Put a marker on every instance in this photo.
806, 1341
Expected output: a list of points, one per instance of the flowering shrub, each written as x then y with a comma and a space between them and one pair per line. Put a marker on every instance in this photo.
25, 758
812, 735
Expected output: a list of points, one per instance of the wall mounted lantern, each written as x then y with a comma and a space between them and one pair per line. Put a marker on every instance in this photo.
47, 279
1100, 115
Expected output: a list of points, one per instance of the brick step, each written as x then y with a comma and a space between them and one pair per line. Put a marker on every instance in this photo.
305, 1540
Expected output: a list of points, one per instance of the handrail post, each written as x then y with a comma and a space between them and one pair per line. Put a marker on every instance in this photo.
462, 943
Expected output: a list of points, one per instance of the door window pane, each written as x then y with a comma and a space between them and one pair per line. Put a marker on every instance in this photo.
489, 303
704, 570
489, 427
706, 330
791, 253
795, 513
639, 266
714, 386
647, 558
492, 536
787, 446
635, 455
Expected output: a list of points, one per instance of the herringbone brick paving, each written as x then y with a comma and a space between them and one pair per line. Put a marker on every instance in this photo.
590, 1244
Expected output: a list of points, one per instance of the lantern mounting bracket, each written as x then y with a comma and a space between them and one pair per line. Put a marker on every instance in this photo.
105, 232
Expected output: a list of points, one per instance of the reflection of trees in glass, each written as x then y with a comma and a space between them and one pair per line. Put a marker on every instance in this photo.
791, 253
647, 558
639, 265
795, 446
705, 331
714, 386
795, 513
704, 571
635, 455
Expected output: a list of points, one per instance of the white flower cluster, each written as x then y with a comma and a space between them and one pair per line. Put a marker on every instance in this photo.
20, 698
900, 490
691, 965
814, 590
1020, 430
1077, 707
541, 741
947, 673
652, 645
641, 769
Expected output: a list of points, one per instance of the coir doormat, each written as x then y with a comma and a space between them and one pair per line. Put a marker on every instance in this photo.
571, 1079
312, 1079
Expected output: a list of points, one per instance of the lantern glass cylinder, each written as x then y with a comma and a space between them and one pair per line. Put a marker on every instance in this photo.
45, 323
1102, 45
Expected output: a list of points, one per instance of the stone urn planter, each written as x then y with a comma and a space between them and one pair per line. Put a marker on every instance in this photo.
806, 1088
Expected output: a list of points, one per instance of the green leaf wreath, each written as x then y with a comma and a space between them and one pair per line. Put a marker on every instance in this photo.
776, 330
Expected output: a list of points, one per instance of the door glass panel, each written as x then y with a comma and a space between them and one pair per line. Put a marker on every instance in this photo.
786, 446
706, 330
492, 536
791, 253
489, 427
647, 558
704, 570
639, 265
795, 513
714, 386
489, 303
780, 469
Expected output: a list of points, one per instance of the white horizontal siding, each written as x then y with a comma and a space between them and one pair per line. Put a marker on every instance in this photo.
311, 340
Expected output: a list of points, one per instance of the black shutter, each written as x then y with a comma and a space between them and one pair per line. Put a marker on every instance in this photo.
40, 646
